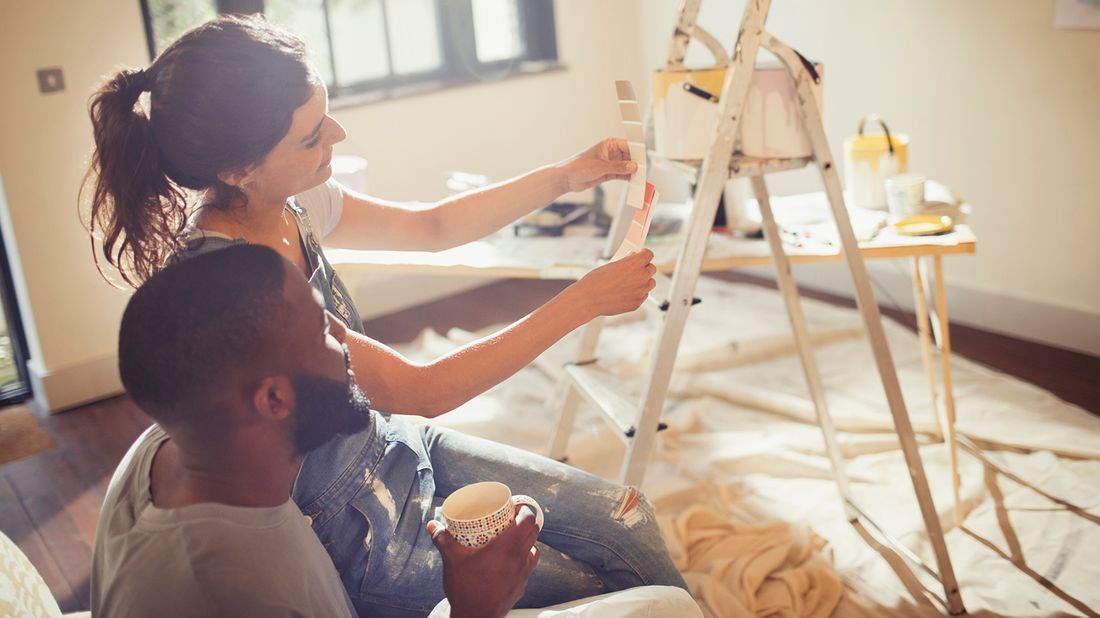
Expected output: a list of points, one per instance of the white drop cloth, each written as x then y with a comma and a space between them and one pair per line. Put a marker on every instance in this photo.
758, 468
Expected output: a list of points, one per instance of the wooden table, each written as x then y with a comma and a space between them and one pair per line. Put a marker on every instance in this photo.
504, 256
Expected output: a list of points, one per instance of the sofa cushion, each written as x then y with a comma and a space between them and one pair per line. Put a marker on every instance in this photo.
23, 592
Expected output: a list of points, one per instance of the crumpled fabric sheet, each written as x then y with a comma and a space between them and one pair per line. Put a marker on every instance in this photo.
741, 570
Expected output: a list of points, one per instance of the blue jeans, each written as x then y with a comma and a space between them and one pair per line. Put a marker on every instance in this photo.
370, 495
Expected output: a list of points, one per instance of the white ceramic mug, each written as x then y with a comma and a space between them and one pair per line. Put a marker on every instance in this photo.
477, 513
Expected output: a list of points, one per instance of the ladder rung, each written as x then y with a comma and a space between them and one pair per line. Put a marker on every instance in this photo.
740, 165
661, 426
659, 295
608, 393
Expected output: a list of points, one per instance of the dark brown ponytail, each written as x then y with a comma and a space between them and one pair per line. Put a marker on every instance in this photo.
138, 211
220, 98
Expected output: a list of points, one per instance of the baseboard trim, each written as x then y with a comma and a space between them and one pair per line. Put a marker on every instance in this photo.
66, 387
1022, 318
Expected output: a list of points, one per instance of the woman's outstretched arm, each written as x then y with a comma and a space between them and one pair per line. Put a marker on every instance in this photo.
399, 386
370, 223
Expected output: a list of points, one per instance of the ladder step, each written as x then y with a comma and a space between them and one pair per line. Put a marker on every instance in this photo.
609, 394
659, 295
740, 165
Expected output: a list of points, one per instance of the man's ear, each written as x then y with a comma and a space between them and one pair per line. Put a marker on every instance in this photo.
273, 398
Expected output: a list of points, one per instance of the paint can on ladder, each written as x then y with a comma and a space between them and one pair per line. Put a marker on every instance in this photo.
685, 112
772, 126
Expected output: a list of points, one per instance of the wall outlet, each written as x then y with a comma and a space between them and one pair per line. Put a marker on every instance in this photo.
50, 80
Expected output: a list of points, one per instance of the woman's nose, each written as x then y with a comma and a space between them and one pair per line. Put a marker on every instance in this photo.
337, 133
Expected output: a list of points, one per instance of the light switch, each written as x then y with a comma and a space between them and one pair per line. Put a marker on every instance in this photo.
50, 80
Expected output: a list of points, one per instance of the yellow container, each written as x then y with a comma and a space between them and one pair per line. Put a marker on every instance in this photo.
869, 160
684, 116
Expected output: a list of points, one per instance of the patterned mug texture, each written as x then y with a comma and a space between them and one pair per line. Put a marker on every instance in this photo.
477, 513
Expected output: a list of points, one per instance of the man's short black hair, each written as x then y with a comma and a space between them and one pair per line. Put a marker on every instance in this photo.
200, 323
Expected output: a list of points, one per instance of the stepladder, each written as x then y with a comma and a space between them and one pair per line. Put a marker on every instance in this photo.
637, 417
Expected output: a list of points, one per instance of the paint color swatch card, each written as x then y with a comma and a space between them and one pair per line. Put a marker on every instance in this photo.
631, 113
639, 225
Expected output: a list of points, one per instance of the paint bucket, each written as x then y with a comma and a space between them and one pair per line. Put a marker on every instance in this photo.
772, 124
685, 111
869, 160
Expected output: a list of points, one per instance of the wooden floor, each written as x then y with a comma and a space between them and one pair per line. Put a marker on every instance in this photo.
49, 503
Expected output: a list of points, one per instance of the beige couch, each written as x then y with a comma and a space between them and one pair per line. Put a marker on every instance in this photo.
24, 594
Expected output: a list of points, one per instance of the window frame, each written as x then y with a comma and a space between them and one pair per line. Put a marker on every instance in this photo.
459, 62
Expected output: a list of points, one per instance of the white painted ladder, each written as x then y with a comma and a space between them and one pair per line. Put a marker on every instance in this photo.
639, 422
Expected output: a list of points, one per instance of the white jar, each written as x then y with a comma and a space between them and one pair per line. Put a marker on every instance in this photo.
904, 194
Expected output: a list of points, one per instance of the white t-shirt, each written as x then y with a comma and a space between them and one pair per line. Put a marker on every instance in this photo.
205, 559
325, 204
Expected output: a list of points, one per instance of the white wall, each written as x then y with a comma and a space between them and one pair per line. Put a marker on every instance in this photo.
999, 106
72, 315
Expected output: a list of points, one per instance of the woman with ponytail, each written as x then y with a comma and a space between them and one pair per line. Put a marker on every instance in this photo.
220, 99
233, 146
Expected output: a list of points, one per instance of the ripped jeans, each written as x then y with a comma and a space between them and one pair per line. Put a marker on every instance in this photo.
370, 495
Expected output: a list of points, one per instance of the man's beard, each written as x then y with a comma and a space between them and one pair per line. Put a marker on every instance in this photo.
327, 408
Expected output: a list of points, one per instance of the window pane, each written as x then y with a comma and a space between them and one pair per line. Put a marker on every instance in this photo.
358, 40
9, 374
497, 30
414, 35
305, 18
171, 18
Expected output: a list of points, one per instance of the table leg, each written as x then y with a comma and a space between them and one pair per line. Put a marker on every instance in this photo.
943, 334
921, 303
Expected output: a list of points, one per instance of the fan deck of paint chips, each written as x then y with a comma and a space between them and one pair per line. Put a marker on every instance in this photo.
641, 195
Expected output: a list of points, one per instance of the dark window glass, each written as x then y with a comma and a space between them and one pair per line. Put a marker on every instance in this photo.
378, 46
